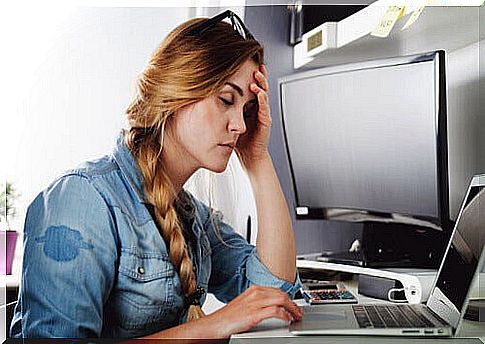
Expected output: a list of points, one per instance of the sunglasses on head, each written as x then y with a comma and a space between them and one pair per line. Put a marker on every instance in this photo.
237, 25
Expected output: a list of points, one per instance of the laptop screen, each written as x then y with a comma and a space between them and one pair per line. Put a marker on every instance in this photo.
460, 263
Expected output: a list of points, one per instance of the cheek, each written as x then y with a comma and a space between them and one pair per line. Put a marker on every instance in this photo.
207, 126
196, 135
200, 129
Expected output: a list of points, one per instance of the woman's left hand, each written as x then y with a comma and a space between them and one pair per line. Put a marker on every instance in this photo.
252, 146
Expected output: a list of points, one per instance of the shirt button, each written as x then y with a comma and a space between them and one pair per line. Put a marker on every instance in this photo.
141, 271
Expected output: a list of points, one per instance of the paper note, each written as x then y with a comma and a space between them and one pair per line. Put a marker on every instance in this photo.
416, 13
387, 21
414, 16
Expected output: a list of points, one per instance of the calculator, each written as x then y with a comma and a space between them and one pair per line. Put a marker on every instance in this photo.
327, 292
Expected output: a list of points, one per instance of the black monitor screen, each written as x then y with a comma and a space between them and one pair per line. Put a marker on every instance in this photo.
365, 139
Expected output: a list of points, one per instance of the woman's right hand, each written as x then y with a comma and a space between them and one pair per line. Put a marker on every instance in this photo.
250, 308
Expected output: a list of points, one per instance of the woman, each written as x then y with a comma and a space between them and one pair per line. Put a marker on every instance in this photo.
116, 248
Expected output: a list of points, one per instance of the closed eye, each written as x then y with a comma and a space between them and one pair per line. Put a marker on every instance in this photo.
226, 102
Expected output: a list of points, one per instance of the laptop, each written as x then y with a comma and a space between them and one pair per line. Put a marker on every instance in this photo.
443, 313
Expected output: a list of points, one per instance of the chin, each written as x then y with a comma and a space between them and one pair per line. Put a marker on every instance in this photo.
218, 167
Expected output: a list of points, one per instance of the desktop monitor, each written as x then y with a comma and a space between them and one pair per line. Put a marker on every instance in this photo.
367, 142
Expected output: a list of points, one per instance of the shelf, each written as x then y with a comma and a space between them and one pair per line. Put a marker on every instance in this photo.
349, 40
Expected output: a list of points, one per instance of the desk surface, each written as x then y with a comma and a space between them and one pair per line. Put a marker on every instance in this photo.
470, 332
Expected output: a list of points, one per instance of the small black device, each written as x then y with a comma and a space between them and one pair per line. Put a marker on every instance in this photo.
304, 18
381, 288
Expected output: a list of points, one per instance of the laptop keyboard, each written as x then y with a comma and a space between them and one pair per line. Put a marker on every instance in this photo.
382, 316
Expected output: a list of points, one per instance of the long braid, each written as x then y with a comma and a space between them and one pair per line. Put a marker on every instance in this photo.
159, 191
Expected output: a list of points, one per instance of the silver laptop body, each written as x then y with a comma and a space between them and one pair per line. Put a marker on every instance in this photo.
443, 313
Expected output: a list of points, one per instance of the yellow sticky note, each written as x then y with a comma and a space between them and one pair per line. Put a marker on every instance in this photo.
387, 21
414, 16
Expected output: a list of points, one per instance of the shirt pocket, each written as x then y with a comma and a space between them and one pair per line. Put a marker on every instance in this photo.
145, 289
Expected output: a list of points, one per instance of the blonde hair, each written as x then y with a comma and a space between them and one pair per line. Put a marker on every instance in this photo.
185, 69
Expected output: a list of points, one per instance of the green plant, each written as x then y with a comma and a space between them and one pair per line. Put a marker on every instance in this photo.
8, 196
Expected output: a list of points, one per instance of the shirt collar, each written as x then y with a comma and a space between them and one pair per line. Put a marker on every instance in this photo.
184, 206
129, 167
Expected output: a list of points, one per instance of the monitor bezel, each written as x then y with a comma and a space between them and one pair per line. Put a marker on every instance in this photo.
443, 220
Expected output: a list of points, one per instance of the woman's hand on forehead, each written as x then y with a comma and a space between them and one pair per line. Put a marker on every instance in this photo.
253, 145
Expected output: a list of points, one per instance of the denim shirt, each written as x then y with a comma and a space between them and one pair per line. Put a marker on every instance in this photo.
95, 264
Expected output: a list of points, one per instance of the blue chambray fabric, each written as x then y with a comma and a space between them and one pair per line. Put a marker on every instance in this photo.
95, 264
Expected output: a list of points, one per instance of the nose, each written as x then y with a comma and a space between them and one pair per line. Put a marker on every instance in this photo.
236, 123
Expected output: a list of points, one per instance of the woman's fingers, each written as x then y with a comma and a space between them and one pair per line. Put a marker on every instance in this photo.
261, 79
264, 70
258, 89
270, 297
263, 100
273, 312
253, 306
283, 302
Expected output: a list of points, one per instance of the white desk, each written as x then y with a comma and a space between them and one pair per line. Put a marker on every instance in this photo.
276, 331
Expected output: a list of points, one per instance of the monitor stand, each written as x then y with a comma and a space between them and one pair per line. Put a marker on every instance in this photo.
394, 245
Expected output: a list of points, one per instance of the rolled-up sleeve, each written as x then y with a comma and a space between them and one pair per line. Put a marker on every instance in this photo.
236, 264
259, 274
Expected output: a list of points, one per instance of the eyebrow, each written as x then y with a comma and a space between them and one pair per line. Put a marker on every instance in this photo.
236, 87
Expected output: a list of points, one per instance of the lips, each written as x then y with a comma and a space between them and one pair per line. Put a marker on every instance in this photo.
229, 144
227, 147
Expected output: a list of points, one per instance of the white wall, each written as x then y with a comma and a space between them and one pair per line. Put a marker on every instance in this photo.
464, 121
230, 193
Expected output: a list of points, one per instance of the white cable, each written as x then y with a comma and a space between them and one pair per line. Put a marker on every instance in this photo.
395, 290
